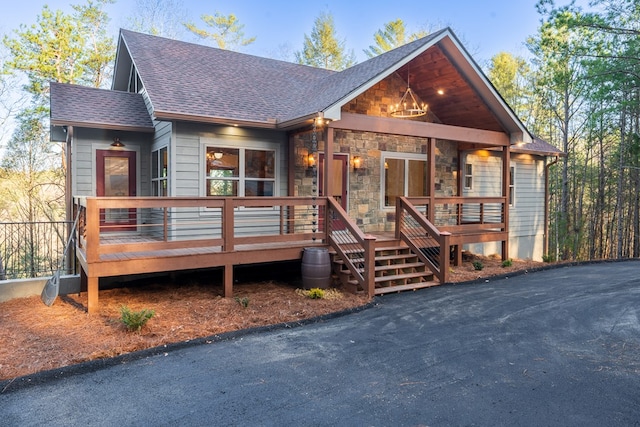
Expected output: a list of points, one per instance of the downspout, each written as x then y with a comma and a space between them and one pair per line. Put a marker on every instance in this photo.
545, 243
69, 175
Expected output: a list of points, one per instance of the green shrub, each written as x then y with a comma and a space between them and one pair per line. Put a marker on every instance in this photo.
135, 320
477, 265
547, 258
316, 293
244, 302
507, 263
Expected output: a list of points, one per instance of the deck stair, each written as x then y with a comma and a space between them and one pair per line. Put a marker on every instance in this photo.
396, 269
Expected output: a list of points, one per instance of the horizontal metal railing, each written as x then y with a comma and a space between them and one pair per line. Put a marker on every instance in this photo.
120, 225
425, 240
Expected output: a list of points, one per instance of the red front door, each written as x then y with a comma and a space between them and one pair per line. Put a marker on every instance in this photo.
116, 177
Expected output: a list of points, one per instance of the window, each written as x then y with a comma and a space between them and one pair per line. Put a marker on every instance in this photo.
512, 185
240, 172
468, 176
404, 176
160, 172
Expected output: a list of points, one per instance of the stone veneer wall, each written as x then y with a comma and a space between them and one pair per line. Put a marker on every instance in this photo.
365, 184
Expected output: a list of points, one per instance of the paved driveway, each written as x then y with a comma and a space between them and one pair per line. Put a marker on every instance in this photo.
556, 347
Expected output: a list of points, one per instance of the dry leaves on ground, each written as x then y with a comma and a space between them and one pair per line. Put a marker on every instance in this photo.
36, 337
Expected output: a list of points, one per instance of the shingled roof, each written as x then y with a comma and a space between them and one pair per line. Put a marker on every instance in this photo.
190, 80
538, 146
98, 108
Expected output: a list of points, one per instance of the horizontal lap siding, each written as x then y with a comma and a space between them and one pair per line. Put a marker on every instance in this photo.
526, 217
85, 144
189, 173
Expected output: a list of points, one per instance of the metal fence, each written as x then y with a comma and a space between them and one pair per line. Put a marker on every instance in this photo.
35, 249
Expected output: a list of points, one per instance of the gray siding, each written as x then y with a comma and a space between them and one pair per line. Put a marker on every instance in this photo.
190, 139
85, 144
526, 215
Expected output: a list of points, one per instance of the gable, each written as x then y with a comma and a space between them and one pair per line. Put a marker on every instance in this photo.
198, 83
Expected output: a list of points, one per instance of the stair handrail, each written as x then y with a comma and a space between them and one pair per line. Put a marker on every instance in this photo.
405, 207
366, 277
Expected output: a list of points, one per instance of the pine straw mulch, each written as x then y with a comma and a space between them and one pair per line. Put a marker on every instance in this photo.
35, 337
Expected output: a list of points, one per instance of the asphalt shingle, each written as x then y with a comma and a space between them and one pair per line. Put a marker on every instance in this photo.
91, 107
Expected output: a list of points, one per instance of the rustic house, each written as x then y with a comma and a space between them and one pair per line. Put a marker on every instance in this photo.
199, 157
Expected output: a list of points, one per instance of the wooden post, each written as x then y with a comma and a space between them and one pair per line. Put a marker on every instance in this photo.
227, 279
399, 216
444, 256
431, 165
92, 230
227, 225
369, 265
92, 294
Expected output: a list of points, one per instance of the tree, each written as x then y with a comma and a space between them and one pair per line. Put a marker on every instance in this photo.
227, 32
509, 74
163, 18
323, 49
63, 48
560, 85
392, 36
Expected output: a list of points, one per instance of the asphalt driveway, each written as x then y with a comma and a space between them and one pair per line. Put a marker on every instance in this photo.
555, 347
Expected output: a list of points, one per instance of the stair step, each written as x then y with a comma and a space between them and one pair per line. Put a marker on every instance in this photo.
388, 267
382, 279
381, 258
408, 287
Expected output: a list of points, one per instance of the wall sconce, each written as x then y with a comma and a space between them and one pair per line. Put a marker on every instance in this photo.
311, 161
357, 162
116, 143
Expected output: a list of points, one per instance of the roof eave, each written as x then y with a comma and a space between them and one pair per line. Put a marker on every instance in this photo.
171, 116
108, 126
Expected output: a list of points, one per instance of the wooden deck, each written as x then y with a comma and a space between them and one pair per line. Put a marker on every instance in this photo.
172, 234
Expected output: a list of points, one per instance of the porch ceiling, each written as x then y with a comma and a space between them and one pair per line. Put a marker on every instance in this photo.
459, 104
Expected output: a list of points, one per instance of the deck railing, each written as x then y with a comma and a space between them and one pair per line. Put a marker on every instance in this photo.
34, 249
120, 225
425, 240
462, 213
352, 246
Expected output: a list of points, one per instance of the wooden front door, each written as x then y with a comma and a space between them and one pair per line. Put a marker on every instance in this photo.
116, 177
337, 184
338, 180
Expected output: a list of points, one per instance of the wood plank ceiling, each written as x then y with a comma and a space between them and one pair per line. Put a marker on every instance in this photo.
458, 104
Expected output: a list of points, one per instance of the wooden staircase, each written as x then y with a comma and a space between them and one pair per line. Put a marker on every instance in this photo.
396, 269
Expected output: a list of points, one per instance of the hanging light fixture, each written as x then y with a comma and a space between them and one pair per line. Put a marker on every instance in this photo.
117, 143
408, 107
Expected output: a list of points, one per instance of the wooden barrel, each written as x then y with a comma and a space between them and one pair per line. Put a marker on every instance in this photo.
316, 268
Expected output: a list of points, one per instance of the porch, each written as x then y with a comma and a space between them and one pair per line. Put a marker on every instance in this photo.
121, 236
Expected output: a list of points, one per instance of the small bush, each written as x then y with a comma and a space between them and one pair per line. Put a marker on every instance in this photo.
547, 258
316, 293
244, 302
477, 265
135, 320
507, 263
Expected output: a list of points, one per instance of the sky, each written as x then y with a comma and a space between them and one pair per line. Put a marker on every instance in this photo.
486, 27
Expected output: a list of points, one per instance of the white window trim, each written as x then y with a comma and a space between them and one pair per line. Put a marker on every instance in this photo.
241, 146
384, 155
512, 186
465, 175
154, 181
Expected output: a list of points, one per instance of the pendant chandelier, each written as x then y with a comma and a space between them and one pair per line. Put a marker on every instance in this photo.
408, 107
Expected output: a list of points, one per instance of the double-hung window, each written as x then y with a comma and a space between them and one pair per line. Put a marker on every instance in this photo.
404, 175
468, 176
512, 186
160, 172
240, 171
